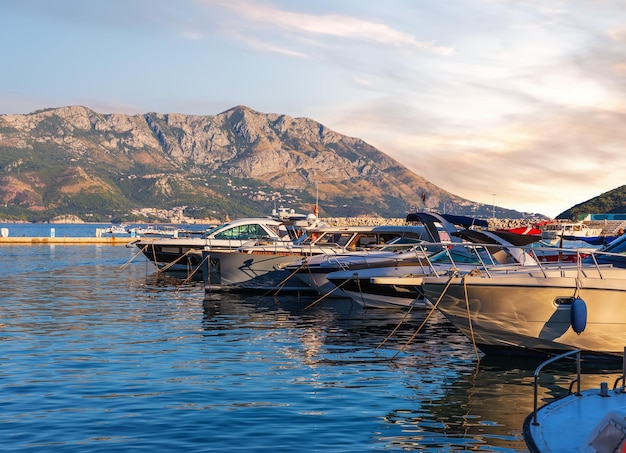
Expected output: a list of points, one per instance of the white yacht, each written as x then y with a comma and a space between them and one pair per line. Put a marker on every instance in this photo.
540, 309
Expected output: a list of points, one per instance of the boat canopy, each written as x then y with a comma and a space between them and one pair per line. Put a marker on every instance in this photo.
478, 237
430, 220
465, 221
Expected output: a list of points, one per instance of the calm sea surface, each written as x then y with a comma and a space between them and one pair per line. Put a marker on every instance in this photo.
99, 353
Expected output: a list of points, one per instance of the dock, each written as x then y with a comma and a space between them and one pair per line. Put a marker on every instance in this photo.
65, 240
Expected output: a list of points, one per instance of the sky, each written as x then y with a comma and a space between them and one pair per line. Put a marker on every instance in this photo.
517, 103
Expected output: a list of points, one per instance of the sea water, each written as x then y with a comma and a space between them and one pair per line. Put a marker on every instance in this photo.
102, 353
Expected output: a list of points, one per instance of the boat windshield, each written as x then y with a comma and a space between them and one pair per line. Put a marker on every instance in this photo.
360, 240
400, 243
212, 230
616, 248
239, 232
456, 255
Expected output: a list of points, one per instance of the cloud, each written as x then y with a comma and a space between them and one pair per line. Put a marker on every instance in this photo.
327, 25
361, 82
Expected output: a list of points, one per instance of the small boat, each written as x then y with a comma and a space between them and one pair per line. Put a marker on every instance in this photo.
573, 231
526, 230
155, 232
595, 240
592, 420
116, 230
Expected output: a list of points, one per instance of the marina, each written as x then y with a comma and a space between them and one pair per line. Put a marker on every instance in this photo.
103, 353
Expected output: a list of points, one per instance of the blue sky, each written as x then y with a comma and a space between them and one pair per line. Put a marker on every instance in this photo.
521, 99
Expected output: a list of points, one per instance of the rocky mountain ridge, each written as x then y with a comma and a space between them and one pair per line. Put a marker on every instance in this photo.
73, 160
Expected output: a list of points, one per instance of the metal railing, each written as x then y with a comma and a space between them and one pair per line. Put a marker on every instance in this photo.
549, 361
576, 381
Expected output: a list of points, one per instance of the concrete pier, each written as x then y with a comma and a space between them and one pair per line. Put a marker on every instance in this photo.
65, 240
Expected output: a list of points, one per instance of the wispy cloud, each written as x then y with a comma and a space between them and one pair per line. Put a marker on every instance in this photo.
328, 25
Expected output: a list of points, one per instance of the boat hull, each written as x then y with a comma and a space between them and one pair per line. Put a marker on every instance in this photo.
236, 267
360, 285
531, 313
316, 279
174, 257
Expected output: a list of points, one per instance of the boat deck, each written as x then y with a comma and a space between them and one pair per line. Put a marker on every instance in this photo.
564, 425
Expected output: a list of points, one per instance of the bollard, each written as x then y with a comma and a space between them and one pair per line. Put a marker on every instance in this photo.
604, 389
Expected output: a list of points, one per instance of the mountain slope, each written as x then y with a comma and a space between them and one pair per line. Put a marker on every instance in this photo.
611, 202
72, 160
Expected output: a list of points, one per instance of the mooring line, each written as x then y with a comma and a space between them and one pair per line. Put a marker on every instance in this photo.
167, 266
124, 266
286, 279
395, 328
328, 293
469, 318
193, 273
434, 307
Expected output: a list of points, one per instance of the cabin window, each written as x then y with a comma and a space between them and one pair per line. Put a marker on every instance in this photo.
364, 240
342, 239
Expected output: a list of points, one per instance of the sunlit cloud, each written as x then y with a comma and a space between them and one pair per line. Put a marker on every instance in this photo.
565, 89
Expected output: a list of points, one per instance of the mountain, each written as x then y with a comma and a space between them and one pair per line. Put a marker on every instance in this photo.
611, 202
241, 162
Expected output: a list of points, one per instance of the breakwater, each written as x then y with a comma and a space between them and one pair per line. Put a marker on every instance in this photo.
373, 221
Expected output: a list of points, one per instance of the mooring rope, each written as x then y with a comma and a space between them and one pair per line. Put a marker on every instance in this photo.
358, 282
154, 258
125, 265
168, 265
315, 286
199, 266
434, 307
328, 293
286, 279
396, 328
579, 271
469, 319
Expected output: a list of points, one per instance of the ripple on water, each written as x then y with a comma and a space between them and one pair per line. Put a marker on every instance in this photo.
98, 357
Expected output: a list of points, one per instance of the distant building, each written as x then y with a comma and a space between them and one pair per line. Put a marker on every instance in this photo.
609, 217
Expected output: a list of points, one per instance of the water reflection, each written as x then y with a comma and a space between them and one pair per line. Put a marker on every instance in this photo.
484, 408
129, 349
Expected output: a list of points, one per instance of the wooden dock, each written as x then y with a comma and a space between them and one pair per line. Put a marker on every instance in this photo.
65, 240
